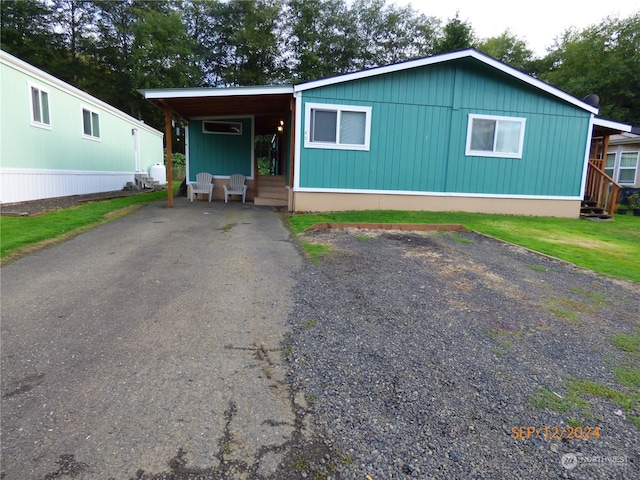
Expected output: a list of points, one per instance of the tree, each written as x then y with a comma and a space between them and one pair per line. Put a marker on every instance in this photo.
509, 49
320, 38
25, 32
251, 49
74, 24
387, 34
456, 35
602, 59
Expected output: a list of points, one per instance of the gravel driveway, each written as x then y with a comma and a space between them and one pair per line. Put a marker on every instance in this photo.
435, 355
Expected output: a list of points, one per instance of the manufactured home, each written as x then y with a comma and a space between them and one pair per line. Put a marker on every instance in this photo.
459, 131
57, 140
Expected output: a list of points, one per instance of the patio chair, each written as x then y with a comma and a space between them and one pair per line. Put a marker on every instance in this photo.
236, 187
204, 184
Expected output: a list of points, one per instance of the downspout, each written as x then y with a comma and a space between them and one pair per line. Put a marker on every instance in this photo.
167, 127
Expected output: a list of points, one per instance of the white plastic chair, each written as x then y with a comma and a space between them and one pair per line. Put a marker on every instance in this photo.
236, 187
204, 184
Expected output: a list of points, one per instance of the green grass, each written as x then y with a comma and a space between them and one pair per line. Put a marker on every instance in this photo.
315, 250
628, 343
625, 393
612, 248
20, 234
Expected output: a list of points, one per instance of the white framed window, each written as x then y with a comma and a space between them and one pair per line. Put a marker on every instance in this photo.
628, 168
90, 124
39, 102
610, 164
221, 127
495, 136
344, 127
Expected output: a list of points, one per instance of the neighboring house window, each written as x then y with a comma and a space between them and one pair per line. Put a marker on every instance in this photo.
492, 136
40, 107
610, 165
628, 167
90, 123
344, 127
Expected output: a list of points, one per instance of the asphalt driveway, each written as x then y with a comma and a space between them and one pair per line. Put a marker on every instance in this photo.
151, 344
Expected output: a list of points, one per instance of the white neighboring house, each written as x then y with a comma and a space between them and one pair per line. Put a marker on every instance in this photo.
56, 140
623, 159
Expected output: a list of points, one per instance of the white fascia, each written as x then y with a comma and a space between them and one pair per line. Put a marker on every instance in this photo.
434, 60
601, 122
215, 92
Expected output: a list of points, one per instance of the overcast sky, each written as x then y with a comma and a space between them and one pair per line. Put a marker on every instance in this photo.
538, 22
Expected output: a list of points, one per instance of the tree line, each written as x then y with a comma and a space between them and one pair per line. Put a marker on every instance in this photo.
112, 48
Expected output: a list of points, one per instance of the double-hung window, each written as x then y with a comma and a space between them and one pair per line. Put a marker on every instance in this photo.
345, 127
628, 168
494, 136
610, 164
90, 124
39, 99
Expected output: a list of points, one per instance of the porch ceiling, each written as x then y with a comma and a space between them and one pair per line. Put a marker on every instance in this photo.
268, 110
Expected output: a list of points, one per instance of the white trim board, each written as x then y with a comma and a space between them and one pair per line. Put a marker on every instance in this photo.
436, 194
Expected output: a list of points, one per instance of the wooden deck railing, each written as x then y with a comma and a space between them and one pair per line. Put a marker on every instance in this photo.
601, 188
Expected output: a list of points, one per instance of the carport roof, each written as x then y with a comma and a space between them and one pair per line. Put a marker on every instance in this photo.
268, 104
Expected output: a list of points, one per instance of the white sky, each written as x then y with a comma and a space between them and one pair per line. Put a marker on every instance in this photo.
537, 22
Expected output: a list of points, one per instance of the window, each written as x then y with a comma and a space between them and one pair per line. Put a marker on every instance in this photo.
338, 126
90, 123
222, 128
609, 166
491, 136
39, 107
628, 167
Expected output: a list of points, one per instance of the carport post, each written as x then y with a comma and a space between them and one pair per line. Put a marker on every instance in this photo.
168, 128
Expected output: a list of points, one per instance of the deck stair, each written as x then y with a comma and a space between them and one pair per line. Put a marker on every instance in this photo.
591, 211
272, 191
145, 181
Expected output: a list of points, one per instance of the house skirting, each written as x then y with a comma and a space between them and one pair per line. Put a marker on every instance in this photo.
336, 202
22, 185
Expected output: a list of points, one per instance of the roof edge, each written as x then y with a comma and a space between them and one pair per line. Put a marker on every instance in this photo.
446, 57
602, 122
202, 92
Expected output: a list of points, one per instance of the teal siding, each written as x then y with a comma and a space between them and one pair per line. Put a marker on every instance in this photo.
419, 130
220, 154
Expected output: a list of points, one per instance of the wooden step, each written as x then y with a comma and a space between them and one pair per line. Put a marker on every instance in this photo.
270, 202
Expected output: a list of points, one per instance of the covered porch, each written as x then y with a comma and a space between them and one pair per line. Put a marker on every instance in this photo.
601, 191
236, 130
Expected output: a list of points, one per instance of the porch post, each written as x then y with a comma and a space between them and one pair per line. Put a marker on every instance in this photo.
292, 139
167, 129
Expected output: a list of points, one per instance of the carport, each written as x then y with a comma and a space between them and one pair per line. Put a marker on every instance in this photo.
271, 108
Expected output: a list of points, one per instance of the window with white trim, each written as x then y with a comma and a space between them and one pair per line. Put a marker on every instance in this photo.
494, 136
345, 127
610, 164
628, 168
39, 100
222, 128
90, 124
